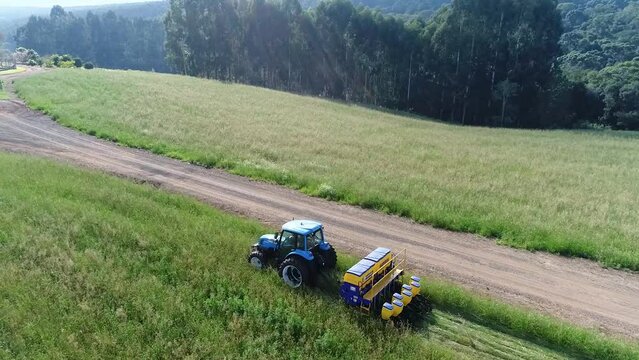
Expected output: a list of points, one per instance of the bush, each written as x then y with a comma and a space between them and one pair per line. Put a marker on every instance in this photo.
26, 56
55, 60
88, 66
66, 64
32, 62
77, 62
66, 58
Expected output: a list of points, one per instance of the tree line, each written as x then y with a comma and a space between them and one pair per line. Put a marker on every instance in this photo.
107, 40
479, 62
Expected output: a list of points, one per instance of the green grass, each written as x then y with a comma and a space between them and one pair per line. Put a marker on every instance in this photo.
92, 266
573, 193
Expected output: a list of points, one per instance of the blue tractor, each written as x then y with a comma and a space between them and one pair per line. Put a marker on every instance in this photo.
299, 252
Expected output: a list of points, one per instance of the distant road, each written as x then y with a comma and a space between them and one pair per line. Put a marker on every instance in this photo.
576, 290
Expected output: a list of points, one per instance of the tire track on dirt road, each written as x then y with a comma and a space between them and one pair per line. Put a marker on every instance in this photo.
576, 290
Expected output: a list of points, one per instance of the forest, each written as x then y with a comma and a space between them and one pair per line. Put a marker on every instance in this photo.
510, 63
475, 62
107, 39
601, 50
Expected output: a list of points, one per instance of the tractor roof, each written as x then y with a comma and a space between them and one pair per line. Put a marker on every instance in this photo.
302, 227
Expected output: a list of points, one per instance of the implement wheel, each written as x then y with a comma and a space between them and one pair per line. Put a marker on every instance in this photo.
295, 272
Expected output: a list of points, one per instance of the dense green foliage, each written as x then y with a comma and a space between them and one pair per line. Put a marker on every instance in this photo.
134, 272
538, 190
600, 43
599, 33
619, 86
477, 62
107, 40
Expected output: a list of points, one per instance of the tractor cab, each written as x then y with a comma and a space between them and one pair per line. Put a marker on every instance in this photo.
298, 237
301, 242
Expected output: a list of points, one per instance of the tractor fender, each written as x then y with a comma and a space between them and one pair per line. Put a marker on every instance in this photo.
324, 246
306, 255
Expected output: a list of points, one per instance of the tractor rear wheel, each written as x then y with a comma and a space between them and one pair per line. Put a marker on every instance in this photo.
295, 272
257, 259
330, 258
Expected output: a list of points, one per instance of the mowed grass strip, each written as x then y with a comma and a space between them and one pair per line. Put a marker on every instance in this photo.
17, 70
573, 193
97, 267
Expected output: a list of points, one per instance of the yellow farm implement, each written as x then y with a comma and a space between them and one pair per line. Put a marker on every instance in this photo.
375, 285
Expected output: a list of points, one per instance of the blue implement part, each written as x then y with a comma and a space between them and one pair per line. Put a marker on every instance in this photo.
350, 294
378, 254
361, 267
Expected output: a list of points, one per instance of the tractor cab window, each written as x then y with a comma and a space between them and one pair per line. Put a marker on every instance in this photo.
291, 241
315, 238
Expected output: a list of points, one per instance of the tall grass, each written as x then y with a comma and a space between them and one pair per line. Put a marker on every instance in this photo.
97, 267
573, 193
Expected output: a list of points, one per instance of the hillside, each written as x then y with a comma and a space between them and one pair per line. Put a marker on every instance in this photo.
135, 272
536, 190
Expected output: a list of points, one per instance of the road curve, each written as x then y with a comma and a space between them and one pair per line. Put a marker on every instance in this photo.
576, 290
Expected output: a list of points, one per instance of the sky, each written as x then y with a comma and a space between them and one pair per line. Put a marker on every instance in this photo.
50, 3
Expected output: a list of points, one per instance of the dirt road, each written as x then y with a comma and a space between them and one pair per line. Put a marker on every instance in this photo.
576, 290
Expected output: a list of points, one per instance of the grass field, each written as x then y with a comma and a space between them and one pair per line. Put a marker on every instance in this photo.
568, 192
92, 266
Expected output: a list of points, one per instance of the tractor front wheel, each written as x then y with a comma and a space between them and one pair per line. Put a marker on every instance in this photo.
257, 259
295, 272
